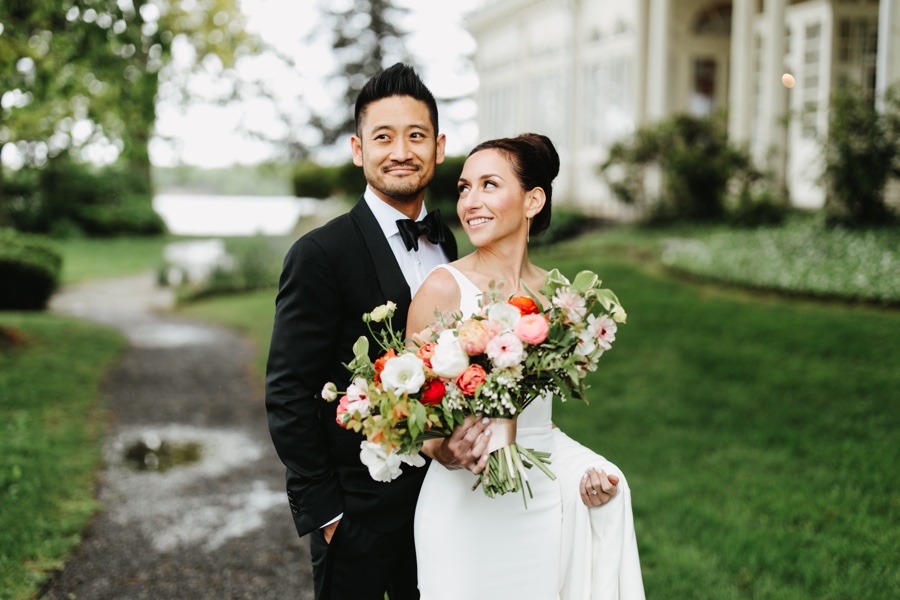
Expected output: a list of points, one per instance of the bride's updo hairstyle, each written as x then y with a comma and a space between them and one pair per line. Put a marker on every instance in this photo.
535, 162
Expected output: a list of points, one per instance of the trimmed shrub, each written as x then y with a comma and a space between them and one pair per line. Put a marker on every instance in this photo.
443, 191
696, 162
311, 180
862, 152
349, 180
29, 271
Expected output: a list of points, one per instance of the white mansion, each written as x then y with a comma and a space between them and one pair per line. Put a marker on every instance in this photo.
588, 72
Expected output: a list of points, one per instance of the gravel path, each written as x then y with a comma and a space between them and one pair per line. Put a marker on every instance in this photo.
216, 528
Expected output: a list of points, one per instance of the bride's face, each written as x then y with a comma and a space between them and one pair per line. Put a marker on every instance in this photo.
492, 203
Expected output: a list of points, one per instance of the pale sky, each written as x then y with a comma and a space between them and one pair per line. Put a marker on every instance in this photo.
206, 134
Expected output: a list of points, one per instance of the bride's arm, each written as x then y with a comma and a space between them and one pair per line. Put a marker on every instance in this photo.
468, 444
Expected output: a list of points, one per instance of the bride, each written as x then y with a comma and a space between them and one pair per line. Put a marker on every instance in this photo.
576, 538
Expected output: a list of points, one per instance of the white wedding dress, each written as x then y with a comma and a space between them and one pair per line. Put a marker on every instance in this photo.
472, 547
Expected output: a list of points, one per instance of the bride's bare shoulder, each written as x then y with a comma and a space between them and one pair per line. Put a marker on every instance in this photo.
438, 292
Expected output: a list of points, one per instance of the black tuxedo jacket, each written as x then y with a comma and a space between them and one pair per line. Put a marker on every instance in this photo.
331, 277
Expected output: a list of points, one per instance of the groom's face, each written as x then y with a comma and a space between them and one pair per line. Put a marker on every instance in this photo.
398, 148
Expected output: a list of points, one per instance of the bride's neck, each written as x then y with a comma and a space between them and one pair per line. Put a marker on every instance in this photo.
509, 266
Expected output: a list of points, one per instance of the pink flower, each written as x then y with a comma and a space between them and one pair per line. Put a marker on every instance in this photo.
505, 351
473, 337
532, 329
571, 303
342, 409
604, 329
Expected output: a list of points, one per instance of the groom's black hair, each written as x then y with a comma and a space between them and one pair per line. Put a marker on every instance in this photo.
398, 80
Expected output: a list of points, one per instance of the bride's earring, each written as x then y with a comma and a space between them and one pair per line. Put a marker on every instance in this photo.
528, 232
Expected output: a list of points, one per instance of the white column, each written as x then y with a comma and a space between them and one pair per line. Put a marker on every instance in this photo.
641, 43
740, 89
660, 16
576, 116
774, 97
887, 66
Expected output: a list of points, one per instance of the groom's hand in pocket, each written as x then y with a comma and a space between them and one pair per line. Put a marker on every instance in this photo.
329, 530
466, 448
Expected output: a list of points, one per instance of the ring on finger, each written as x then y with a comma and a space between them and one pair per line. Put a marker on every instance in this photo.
594, 492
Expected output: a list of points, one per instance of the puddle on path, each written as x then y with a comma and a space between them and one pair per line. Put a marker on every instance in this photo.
151, 453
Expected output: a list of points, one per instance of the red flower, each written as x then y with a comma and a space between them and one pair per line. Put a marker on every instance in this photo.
526, 305
433, 392
470, 379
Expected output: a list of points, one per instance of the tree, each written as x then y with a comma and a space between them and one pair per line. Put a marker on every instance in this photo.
97, 63
365, 39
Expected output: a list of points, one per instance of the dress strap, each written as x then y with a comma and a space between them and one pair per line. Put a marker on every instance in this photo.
469, 293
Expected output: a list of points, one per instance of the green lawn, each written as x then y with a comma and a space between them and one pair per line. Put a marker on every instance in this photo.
757, 433
85, 258
51, 426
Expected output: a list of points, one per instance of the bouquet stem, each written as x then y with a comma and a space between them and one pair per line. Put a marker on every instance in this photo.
506, 471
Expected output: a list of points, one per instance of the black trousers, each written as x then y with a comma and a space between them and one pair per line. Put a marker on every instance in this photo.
361, 564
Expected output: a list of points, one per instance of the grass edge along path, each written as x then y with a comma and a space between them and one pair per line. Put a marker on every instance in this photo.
52, 422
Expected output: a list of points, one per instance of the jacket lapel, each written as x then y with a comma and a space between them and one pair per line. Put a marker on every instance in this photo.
390, 278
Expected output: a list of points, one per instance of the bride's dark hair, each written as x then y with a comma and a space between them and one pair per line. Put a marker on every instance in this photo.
535, 162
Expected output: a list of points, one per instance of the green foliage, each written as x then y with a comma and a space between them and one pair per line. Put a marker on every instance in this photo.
862, 152
51, 427
311, 180
69, 198
98, 62
29, 271
565, 225
695, 161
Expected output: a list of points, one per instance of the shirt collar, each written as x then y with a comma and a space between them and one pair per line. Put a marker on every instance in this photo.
385, 214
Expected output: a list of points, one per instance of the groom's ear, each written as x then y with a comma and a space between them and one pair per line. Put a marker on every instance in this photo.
534, 201
356, 148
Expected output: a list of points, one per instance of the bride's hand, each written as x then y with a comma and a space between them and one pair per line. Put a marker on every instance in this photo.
466, 448
597, 487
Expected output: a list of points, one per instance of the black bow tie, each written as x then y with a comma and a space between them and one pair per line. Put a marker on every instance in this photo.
432, 227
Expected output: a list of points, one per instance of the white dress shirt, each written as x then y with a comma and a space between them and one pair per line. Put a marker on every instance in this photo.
415, 264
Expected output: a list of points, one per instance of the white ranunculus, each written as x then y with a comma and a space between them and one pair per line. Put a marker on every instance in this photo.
504, 313
380, 313
329, 392
449, 359
382, 466
415, 460
586, 344
403, 374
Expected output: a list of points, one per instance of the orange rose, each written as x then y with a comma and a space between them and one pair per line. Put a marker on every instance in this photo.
470, 379
379, 363
526, 305
425, 352
433, 392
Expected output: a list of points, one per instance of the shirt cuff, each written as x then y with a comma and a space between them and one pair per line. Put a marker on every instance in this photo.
337, 518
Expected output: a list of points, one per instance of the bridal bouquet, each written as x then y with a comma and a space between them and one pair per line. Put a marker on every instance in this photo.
493, 363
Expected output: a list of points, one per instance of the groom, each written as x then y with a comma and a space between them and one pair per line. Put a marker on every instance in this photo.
361, 535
